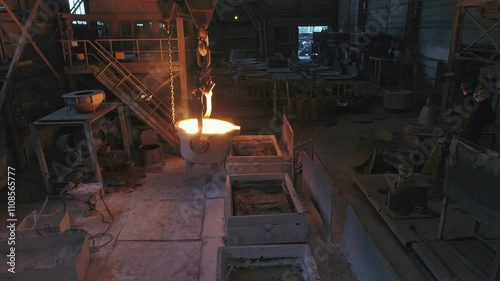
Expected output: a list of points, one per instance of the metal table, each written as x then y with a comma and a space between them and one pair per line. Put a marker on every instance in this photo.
70, 117
284, 75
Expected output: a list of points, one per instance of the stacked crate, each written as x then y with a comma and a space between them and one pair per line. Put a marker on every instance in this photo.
266, 229
262, 206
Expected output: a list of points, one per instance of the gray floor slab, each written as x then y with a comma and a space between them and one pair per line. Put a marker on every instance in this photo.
163, 220
148, 261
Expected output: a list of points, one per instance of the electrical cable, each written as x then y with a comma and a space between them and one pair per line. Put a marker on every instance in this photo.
94, 248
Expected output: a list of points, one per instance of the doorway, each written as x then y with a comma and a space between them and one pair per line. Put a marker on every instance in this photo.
306, 34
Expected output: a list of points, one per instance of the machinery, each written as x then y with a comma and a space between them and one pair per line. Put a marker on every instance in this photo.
201, 12
203, 140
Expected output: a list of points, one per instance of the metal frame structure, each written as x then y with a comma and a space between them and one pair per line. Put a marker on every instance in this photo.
62, 118
459, 52
476, 234
472, 199
25, 35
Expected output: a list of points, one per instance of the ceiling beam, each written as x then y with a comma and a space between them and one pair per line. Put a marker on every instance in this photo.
474, 3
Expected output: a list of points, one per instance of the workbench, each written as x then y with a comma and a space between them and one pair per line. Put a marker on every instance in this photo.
69, 117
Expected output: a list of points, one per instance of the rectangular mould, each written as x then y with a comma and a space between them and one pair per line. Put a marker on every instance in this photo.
257, 168
267, 262
240, 145
54, 257
46, 224
261, 229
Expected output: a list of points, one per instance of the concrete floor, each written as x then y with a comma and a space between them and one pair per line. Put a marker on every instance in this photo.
168, 225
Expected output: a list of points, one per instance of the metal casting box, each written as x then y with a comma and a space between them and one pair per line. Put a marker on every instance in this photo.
55, 257
247, 149
267, 262
46, 224
263, 209
257, 168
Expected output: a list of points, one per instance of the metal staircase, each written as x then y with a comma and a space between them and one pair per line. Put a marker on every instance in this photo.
132, 92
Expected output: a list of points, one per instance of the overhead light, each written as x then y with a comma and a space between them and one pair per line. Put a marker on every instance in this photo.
235, 17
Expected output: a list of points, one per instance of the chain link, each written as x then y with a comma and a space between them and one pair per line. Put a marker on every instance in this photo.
172, 92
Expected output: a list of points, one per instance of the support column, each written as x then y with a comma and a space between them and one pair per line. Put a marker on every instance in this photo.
183, 69
450, 84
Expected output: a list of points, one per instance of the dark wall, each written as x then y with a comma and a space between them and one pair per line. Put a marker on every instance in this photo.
282, 16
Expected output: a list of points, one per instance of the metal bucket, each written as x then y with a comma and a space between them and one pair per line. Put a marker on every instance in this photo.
397, 99
216, 140
152, 156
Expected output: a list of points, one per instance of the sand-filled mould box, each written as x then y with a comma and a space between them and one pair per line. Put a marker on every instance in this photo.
263, 209
54, 257
266, 263
255, 149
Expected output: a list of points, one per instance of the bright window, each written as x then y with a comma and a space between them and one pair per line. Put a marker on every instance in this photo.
77, 7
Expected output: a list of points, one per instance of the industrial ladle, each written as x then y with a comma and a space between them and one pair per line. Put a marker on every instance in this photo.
201, 13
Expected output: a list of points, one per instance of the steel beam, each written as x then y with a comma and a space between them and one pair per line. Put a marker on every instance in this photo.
474, 3
485, 33
25, 32
19, 49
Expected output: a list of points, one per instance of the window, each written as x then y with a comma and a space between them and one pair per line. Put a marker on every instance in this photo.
306, 34
77, 7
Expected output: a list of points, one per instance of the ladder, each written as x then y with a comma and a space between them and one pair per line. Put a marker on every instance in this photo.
132, 92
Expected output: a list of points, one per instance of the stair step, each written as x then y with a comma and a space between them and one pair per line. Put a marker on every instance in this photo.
155, 113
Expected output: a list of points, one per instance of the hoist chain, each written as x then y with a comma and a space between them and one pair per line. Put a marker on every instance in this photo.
172, 92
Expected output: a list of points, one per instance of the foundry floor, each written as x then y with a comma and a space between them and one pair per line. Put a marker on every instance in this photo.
168, 225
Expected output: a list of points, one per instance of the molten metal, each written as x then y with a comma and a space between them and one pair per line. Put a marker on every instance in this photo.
210, 126
209, 104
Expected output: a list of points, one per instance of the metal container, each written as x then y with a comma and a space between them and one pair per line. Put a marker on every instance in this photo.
85, 101
257, 168
270, 262
152, 155
55, 257
473, 180
397, 99
216, 136
263, 209
45, 224
247, 149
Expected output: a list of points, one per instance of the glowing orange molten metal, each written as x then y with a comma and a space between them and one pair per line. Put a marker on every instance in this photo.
210, 126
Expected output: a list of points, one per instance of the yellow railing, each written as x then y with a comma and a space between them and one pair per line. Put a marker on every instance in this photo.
97, 55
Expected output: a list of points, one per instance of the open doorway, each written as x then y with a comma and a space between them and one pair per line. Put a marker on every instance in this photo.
305, 50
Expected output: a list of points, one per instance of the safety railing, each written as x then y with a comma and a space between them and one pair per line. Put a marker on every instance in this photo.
140, 51
121, 81
94, 54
